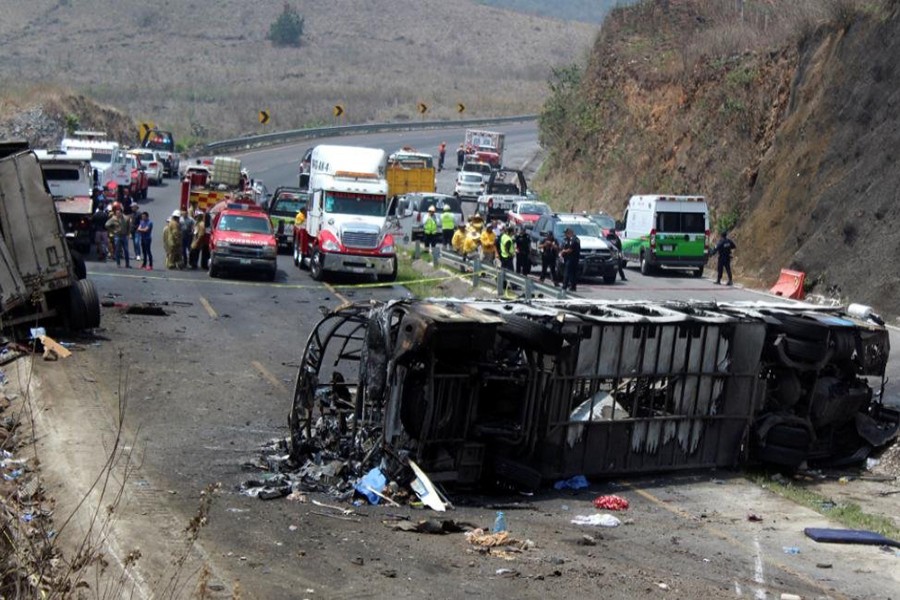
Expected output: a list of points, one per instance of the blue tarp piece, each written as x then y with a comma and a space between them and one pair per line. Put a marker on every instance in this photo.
849, 536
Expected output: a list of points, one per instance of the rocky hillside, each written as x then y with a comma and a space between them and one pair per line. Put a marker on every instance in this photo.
784, 116
41, 115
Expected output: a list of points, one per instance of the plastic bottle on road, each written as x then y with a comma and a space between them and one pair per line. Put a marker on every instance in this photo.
499, 522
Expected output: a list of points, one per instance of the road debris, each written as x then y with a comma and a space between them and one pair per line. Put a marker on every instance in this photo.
600, 519
849, 536
577, 482
431, 526
611, 502
483, 539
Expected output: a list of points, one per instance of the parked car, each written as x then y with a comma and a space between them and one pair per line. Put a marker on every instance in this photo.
286, 202
413, 208
526, 212
598, 256
140, 182
468, 186
152, 164
605, 222
475, 166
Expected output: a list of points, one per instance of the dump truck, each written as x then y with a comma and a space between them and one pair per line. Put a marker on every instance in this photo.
410, 171
346, 223
38, 274
549, 389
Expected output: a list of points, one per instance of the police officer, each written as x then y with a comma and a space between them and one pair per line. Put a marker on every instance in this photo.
571, 253
724, 249
507, 249
549, 254
615, 241
523, 252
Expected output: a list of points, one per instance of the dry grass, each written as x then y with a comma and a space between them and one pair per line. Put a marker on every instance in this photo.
208, 63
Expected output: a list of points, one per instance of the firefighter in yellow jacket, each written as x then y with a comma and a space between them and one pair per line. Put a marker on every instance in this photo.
459, 239
488, 244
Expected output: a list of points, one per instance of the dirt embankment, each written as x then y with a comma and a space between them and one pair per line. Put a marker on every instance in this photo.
785, 120
42, 116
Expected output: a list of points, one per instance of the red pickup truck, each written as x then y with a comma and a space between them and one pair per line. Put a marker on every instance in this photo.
242, 239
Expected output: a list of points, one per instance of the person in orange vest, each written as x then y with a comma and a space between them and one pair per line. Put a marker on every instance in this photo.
442, 152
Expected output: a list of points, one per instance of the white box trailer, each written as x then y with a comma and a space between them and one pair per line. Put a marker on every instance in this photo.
33, 237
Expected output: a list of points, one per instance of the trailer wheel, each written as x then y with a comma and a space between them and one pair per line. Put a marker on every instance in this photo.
803, 350
76, 318
698, 272
316, 270
78, 265
91, 303
297, 258
530, 335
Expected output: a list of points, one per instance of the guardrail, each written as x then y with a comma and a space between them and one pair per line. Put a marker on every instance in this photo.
283, 137
504, 280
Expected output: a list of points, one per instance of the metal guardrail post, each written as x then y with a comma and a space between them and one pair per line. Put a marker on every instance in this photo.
417, 251
476, 270
435, 256
529, 288
501, 282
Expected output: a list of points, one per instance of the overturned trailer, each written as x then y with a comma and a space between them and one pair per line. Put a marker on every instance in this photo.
528, 392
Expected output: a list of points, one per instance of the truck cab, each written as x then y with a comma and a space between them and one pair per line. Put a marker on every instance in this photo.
68, 177
503, 189
346, 224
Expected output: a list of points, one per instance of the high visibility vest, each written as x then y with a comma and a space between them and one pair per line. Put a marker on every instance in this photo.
430, 226
448, 221
506, 245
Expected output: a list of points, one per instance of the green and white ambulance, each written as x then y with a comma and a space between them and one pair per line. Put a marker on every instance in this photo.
666, 231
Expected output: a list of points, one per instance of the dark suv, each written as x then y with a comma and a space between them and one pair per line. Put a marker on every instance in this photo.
599, 258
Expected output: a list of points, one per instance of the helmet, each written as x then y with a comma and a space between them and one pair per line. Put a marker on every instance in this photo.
431, 209
446, 208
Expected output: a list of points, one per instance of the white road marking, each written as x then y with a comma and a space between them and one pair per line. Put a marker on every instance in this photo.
758, 575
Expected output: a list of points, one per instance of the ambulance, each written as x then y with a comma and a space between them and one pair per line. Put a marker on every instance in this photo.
665, 231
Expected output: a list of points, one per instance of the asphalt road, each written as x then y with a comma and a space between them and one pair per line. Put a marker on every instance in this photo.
210, 383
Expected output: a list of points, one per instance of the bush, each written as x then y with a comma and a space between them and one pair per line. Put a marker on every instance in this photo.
72, 123
287, 28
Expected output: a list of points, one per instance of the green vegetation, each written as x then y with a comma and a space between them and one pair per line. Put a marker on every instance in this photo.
407, 273
72, 123
727, 220
287, 29
743, 77
849, 514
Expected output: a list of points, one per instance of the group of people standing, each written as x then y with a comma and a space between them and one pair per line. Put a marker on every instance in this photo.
118, 226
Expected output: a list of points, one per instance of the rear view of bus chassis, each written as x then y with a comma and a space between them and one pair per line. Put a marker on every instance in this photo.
478, 391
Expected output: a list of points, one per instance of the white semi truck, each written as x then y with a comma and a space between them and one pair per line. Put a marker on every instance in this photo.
344, 230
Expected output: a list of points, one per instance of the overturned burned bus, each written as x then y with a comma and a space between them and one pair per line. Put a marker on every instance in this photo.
529, 392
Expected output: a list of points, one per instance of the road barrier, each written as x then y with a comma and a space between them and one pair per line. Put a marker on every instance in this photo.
284, 137
505, 281
789, 284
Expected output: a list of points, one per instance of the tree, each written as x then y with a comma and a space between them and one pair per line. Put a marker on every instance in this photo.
287, 29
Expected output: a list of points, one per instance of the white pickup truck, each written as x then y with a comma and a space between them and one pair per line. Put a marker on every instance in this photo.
503, 188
